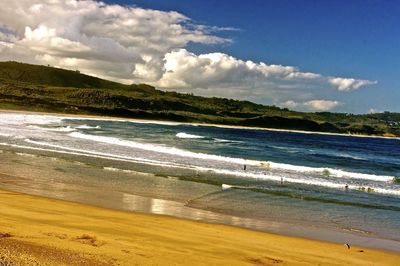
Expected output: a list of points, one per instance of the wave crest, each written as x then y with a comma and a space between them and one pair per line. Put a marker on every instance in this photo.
183, 135
88, 127
263, 164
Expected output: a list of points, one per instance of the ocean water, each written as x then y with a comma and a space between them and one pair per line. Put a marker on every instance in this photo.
342, 183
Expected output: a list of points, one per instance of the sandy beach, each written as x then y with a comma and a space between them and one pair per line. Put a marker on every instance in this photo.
41, 231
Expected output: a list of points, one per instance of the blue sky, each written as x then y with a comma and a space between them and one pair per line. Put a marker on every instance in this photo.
341, 38
340, 56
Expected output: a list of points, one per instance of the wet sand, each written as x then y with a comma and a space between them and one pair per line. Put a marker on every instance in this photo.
41, 231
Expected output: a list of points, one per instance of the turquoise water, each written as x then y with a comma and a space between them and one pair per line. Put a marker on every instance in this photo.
325, 181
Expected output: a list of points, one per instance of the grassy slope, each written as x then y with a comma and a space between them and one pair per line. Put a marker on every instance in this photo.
42, 88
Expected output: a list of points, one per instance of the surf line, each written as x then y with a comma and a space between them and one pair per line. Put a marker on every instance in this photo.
202, 169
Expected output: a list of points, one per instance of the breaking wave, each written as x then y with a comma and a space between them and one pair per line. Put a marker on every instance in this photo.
88, 127
183, 135
263, 164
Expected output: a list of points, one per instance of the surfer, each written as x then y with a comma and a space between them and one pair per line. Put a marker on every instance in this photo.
244, 167
346, 187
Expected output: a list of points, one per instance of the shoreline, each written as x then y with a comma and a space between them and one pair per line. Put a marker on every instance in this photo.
71, 192
166, 122
57, 231
307, 233
160, 204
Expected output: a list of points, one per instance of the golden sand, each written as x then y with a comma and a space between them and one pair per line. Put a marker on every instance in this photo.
41, 231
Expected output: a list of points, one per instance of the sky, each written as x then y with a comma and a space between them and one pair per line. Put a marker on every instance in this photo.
339, 56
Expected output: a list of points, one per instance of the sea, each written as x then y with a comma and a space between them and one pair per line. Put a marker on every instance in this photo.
337, 188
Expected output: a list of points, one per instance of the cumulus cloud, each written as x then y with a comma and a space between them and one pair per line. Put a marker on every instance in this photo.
312, 105
184, 70
90, 35
348, 84
132, 44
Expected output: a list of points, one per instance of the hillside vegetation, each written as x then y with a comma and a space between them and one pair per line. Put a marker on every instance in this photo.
43, 88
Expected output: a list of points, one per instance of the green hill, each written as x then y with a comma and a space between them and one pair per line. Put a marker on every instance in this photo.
44, 88
51, 76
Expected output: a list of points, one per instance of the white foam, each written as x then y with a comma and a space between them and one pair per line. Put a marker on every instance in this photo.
21, 119
304, 181
329, 171
111, 169
277, 178
227, 140
221, 140
60, 129
5, 135
19, 137
102, 155
134, 121
317, 178
183, 135
25, 154
87, 152
225, 186
315, 182
88, 127
160, 149
54, 129
188, 154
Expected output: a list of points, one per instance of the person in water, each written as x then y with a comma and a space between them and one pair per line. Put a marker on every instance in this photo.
244, 167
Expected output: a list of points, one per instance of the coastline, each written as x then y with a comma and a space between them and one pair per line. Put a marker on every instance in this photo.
194, 124
53, 232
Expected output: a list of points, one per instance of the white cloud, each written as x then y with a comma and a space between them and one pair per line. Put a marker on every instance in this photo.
216, 72
223, 75
290, 104
96, 34
312, 105
321, 105
348, 84
133, 44
183, 69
